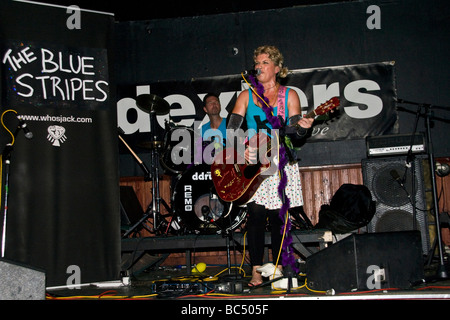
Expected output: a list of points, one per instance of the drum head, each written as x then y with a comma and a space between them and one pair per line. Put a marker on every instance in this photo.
198, 207
178, 149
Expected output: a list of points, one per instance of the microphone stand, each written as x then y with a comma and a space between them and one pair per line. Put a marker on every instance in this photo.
6, 156
441, 272
410, 158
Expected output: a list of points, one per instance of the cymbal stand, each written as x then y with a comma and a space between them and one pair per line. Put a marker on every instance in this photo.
154, 105
153, 208
156, 198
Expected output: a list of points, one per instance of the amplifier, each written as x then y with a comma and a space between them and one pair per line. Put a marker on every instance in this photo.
397, 144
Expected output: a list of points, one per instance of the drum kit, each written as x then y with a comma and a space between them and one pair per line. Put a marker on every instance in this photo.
196, 208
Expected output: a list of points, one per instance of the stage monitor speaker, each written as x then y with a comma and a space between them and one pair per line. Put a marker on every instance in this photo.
20, 282
368, 261
390, 180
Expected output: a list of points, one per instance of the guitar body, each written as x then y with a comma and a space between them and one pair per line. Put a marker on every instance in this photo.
234, 179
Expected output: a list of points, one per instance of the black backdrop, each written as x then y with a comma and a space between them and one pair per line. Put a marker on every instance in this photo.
63, 213
366, 92
411, 33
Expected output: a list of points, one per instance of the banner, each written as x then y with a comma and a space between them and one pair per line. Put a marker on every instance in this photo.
367, 94
63, 205
40, 73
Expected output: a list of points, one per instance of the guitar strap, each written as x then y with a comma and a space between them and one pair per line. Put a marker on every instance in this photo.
281, 106
281, 102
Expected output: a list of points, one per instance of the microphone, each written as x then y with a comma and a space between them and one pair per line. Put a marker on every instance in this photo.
252, 72
26, 130
396, 176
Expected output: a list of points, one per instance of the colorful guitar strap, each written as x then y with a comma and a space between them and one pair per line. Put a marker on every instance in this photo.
281, 102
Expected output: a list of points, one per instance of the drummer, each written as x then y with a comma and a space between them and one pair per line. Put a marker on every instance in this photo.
214, 131
216, 127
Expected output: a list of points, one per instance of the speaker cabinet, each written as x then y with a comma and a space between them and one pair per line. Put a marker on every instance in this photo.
19, 282
399, 192
368, 261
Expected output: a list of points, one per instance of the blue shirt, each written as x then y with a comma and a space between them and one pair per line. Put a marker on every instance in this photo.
219, 134
256, 117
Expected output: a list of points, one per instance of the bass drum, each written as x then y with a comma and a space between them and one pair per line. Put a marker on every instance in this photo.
198, 207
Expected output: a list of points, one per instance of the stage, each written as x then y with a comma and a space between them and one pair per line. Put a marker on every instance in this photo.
91, 101
153, 280
180, 284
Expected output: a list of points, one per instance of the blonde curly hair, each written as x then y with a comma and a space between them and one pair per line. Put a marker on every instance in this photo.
274, 55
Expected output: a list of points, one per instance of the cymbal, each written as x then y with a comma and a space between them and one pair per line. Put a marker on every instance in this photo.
152, 103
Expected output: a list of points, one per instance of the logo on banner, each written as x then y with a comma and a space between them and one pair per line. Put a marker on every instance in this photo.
56, 135
367, 93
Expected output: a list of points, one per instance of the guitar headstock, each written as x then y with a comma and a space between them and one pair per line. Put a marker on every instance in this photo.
327, 106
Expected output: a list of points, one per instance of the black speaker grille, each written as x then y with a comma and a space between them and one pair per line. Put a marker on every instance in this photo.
395, 220
394, 208
387, 189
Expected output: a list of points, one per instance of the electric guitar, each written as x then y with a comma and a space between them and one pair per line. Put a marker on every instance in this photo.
236, 180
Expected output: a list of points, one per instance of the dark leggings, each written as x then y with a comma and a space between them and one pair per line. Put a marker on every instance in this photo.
256, 226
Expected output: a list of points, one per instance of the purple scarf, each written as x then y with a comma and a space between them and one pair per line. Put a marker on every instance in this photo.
287, 257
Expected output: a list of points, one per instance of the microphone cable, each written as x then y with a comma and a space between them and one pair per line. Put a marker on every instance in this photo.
13, 139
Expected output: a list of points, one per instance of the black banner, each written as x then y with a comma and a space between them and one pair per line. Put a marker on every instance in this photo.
367, 94
63, 209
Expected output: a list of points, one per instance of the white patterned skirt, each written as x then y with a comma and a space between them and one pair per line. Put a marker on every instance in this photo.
267, 193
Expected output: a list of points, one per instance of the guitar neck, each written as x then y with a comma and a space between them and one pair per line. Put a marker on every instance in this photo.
310, 114
323, 108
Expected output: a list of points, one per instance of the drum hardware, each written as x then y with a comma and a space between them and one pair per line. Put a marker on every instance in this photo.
150, 145
173, 146
198, 207
146, 178
228, 234
203, 212
182, 147
153, 105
